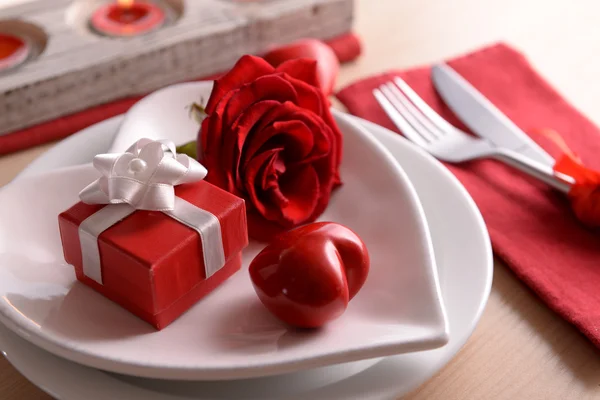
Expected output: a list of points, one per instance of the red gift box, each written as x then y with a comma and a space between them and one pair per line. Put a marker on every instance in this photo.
152, 264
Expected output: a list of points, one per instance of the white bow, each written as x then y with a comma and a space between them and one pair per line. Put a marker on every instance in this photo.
144, 176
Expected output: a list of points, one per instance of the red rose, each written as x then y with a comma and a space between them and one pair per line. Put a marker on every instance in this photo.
270, 138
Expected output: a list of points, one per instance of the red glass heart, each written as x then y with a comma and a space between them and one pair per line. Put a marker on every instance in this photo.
307, 276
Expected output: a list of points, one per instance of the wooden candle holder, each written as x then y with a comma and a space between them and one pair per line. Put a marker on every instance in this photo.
73, 68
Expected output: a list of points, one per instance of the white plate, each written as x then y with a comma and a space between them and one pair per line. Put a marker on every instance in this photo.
229, 334
461, 245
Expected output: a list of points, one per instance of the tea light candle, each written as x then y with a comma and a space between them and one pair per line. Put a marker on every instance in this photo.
13, 51
127, 18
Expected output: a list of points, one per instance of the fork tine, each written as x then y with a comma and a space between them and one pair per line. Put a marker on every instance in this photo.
420, 122
397, 118
403, 106
435, 119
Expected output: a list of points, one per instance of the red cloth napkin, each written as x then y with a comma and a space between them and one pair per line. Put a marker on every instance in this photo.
532, 228
347, 47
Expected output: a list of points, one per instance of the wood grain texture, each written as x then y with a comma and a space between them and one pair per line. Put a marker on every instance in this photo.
13, 386
520, 350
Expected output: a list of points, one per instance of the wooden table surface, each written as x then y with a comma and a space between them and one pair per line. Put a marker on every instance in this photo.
520, 350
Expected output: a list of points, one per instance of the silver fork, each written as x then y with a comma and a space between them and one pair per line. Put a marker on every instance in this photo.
426, 128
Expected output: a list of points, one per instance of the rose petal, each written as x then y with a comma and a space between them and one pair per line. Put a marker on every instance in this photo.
297, 138
272, 171
307, 94
247, 69
322, 135
211, 163
217, 174
328, 174
327, 66
338, 140
235, 141
270, 87
325, 170
288, 198
212, 127
301, 189
319, 137
276, 114
294, 136
304, 69
257, 180
309, 97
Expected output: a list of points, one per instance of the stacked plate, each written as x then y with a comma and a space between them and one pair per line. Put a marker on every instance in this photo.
430, 278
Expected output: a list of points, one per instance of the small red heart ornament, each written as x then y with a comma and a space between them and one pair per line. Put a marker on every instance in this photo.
307, 276
328, 65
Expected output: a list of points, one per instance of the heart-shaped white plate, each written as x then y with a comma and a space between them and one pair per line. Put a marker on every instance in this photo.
229, 334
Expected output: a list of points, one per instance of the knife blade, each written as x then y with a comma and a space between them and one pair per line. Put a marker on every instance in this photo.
482, 117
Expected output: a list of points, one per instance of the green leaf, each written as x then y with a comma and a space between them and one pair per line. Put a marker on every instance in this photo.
197, 112
189, 148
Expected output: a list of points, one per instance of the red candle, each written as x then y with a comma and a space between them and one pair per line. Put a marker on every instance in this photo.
13, 51
127, 18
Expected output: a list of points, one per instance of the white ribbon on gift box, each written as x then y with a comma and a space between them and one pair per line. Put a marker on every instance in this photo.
144, 178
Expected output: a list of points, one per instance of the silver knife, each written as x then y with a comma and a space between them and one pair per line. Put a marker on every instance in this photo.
482, 117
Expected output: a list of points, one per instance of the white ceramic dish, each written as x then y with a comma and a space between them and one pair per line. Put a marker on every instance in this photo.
398, 310
461, 245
